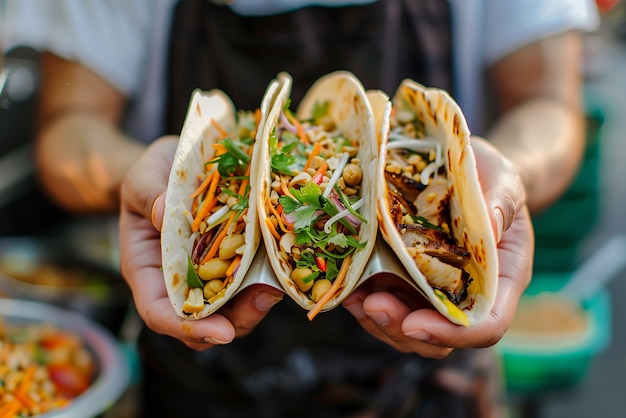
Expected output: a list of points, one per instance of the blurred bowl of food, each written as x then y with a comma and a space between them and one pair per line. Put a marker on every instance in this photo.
59, 271
56, 363
553, 340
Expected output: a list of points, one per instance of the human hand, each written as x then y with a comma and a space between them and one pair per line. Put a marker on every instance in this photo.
141, 217
410, 324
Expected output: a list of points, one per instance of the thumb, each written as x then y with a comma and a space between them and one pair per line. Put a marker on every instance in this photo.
145, 184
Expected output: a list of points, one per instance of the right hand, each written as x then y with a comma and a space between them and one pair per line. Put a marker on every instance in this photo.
141, 217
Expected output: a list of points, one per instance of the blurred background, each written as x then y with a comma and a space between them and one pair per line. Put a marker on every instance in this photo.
581, 381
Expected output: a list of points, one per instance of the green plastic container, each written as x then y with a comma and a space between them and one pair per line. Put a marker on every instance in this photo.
533, 368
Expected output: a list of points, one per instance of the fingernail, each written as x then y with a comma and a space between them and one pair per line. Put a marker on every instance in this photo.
419, 335
380, 317
215, 341
499, 217
264, 301
356, 309
153, 213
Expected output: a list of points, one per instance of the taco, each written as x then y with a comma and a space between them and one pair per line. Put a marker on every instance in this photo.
316, 192
430, 205
210, 231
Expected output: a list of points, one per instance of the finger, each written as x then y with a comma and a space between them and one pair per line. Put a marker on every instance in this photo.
158, 211
515, 252
504, 193
250, 306
389, 315
381, 314
143, 188
200, 334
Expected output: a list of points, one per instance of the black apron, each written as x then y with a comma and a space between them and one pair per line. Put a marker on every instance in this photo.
288, 366
381, 43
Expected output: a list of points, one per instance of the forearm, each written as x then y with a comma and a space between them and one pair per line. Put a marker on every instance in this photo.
545, 141
82, 159
541, 129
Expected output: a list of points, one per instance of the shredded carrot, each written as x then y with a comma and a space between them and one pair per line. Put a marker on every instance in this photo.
218, 240
209, 202
21, 392
278, 218
218, 127
204, 211
319, 174
270, 225
319, 305
25, 400
219, 150
233, 265
299, 128
280, 210
228, 280
10, 409
314, 152
203, 186
214, 182
284, 188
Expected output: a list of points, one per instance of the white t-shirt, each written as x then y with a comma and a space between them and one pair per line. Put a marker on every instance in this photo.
125, 40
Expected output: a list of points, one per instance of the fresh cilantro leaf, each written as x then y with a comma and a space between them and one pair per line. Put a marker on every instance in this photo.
305, 216
354, 243
233, 149
192, 277
340, 240
309, 194
280, 162
332, 268
226, 164
289, 204
306, 237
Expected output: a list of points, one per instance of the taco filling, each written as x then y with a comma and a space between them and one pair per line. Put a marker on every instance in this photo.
219, 215
419, 201
313, 206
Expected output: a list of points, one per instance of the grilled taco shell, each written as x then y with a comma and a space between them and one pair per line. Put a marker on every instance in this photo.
449, 253
348, 112
178, 238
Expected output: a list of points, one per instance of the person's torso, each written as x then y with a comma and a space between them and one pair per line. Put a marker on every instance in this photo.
381, 42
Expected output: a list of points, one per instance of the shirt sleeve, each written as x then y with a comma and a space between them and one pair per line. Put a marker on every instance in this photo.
512, 24
109, 37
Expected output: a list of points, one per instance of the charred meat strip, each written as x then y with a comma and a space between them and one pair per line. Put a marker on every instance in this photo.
435, 243
452, 281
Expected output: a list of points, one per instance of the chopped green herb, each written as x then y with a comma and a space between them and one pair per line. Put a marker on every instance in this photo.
192, 277
424, 222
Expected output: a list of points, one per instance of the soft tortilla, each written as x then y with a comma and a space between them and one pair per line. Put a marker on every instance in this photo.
444, 121
353, 114
194, 150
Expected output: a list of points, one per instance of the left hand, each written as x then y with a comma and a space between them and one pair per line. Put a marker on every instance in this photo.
141, 217
411, 324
